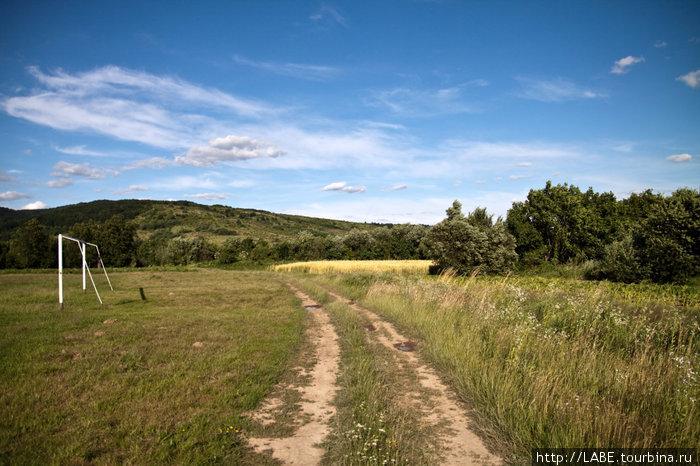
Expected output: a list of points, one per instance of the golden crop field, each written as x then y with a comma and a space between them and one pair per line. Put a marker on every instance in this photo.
411, 266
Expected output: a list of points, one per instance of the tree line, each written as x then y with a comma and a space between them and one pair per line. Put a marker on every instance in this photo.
647, 236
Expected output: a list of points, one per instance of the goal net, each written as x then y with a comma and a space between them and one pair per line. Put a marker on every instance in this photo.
82, 246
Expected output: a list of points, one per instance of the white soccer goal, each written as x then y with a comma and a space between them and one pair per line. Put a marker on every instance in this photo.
82, 245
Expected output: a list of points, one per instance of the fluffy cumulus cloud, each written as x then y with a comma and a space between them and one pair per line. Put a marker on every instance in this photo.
155, 163
66, 170
59, 183
622, 65
678, 158
13, 196
692, 79
228, 149
342, 186
131, 189
34, 206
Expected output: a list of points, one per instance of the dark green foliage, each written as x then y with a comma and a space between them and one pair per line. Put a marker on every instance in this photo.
183, 251
561, 223
662, 247
471, 243
668, 243
30, 247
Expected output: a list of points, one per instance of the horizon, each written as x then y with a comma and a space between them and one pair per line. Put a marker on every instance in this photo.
366, 112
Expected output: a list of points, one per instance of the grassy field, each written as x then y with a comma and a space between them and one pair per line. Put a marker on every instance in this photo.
541, 362
164, 380
392, 266
554, 364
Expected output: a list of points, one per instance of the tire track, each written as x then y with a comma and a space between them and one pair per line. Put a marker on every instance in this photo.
317, 408
457, 442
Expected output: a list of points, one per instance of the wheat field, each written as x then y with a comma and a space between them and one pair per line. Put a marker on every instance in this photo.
397, 266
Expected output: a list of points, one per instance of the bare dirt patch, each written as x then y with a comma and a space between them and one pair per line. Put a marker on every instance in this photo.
316, 405
457, 443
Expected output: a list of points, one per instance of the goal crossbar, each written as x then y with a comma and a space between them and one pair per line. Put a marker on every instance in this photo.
82, 246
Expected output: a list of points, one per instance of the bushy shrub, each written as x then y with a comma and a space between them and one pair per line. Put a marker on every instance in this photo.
468, 243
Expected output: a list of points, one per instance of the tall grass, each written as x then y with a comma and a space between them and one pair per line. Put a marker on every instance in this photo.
553, 368
380, 266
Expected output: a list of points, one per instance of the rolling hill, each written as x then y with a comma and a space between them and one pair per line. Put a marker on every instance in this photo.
179, 218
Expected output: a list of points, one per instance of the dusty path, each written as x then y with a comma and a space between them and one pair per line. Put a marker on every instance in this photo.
316, 408
458, 443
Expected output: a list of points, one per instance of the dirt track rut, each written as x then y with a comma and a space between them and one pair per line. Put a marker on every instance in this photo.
456, 442
303, 448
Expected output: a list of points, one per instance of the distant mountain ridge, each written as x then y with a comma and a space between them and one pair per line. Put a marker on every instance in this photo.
179, 218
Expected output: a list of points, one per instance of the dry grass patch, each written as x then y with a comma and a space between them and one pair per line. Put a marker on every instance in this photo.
379, 266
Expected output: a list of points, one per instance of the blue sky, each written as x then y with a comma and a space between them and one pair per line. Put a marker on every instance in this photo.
357, 110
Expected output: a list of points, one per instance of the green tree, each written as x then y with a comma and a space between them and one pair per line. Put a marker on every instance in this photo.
668, 244
560, 223
473, 242
30, 246
116, 239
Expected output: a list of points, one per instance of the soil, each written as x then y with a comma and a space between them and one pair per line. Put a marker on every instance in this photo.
316, 407
443, 414
459, 444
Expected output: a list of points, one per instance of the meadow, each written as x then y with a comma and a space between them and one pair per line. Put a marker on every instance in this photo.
540, 362
553, 363
165, 380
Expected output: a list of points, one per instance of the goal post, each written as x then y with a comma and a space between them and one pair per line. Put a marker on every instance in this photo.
82, 246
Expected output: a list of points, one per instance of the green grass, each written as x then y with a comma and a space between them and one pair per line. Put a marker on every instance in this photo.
371, 427
554, 365
75, 390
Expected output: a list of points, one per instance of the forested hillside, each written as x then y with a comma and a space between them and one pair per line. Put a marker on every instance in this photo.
645, 237
176, 218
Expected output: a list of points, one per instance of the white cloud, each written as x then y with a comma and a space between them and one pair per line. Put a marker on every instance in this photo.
399, 187
131, 189
13, 196
129, 105
228, 149
692, 79
209, 196
678, 158
424, 103
524, 164
79, 150
295, 70
155, 163
341, 186
622, 65
35, 206
59, 183
480, 182
328, 15
517, 177
5, 178
659, 44
555, 90
64, 169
